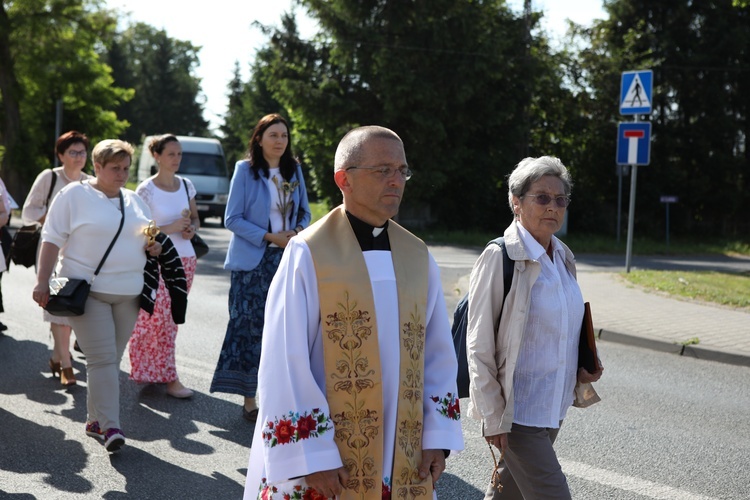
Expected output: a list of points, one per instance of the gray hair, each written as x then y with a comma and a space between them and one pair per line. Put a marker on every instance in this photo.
349, 150
529, 170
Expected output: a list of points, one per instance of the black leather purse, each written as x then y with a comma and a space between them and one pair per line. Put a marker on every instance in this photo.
70, 300
200, 246
25, 242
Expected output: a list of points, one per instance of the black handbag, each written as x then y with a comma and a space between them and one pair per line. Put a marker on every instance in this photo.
6, 240
200, 246
25, 242
70, 300
24, 245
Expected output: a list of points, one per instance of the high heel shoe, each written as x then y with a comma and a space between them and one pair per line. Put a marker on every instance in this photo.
66, 376
55, 367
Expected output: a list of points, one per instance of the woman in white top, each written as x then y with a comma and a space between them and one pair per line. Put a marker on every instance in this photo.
71, 149
523, 363
81, 224
172, 203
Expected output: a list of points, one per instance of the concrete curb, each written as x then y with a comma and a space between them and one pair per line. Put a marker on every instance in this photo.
692, 351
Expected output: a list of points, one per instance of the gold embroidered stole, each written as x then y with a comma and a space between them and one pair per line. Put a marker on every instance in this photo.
352, 357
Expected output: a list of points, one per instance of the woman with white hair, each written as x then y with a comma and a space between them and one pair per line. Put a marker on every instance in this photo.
523, 351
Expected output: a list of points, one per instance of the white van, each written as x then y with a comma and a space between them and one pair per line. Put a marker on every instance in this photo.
204, 164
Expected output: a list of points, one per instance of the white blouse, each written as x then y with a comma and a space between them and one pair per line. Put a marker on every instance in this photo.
166, 207
545, 376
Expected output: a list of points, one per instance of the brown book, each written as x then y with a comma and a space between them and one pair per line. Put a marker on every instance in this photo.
587, 357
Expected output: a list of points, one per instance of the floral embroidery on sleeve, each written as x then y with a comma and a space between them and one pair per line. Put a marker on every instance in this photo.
448, 406
295, 427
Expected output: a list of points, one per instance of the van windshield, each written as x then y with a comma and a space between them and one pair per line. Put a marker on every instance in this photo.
202, 164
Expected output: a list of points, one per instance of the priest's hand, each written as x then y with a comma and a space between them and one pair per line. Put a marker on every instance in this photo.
329, 483
433, 462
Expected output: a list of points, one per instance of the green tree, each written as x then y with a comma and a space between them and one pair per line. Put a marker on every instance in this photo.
248, 102
700, 58
49, 52
161, 70
452, 78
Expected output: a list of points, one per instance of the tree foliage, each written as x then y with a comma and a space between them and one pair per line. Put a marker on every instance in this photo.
473, 88
50, 51
452, 78
161, 70
699, 52
247, 103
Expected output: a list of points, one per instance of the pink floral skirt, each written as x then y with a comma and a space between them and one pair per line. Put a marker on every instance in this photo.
152, 344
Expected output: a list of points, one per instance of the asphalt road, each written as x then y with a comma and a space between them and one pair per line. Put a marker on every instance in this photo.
667, 428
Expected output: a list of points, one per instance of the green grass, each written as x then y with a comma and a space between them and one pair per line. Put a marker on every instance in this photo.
727, 289
591, 243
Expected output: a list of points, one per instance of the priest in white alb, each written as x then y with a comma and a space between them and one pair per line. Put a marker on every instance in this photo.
357, 379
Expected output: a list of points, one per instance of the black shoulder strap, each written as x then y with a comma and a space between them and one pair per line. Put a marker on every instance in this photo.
507, 266
51, 186
187, 193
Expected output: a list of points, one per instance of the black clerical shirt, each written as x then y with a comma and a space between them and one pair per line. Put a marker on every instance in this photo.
366, 236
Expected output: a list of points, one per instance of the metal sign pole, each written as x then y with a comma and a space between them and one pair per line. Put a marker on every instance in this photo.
631, 217
619, 202
668, 227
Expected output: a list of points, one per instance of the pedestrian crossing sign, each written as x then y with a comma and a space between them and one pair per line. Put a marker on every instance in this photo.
636, 92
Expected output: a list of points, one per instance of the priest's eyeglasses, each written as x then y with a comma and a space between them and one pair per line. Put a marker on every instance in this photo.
387, 172
545, 199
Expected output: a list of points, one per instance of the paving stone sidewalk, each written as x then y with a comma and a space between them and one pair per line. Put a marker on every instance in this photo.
627, 314
624, 313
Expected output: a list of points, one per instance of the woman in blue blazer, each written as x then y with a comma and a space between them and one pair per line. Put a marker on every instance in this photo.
267, 205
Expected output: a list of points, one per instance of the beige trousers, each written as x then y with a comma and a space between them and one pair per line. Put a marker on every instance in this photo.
530, 470
103, 332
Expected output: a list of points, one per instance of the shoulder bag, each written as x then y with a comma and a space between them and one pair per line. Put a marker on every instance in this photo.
200, 246
461, 321
25, 242
68, 295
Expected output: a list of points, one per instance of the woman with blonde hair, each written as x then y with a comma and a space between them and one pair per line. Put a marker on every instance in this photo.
92, 223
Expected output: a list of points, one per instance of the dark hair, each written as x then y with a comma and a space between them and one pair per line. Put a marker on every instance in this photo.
156, 146
68, 139
287, 162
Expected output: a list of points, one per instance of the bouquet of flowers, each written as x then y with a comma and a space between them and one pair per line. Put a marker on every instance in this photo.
285, 189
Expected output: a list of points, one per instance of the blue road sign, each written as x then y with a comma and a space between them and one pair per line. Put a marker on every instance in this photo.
634, 143
636, 90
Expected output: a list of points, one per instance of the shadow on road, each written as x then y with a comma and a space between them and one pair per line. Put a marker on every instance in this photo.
59, 451
450, 486
172, 481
